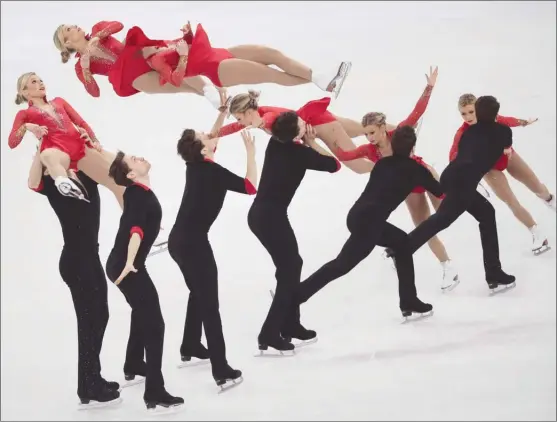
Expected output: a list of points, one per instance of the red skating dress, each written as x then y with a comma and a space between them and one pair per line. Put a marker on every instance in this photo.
371, 152
314, 113
62, 134
503, 161
202, 58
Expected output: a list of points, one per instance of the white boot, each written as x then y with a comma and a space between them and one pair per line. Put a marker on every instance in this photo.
550, 203
212, 94
450, 276
68, 188
333, 80
539, 241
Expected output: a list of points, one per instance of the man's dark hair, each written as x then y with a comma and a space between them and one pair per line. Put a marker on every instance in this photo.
487, 108
119, 170
403, 140
189, 147
285, 127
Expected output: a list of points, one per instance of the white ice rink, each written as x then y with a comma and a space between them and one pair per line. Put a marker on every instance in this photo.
478, 358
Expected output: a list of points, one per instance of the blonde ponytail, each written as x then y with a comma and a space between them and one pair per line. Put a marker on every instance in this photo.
19, 99
65, 52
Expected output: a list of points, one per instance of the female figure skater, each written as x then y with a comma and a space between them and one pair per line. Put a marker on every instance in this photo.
128, 70
64, 136
332, 130
515, 166
188, 244
245, 64
379, 146
83, 273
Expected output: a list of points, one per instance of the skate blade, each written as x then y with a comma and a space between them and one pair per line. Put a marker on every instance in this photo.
229, 384
163, 410
417, 317
541, 250
338, 82
273, 353
298, 344
137, 380
451, 287
158, 248
99, 405
502, 289
196, 362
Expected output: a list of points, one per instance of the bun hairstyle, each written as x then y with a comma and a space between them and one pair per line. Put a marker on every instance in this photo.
374, 118
65, 52
244, 102
21, 84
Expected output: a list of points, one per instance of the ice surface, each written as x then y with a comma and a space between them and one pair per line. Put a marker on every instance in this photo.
478, 358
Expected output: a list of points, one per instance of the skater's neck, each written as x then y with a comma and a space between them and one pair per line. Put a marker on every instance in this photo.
210, 155
81, 46
38, 101
143, 180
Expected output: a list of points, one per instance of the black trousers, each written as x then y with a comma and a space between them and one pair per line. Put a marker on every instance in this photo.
461, 196
271, 226
195, 258
83, 273
146, 327
367, 230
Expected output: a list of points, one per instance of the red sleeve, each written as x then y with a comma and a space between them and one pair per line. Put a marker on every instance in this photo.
509, 121
230, 129
250, 189
419, 108
18, 129
105, 29
269, 118
138, 230
456, 141
363, 151
77, 119
86, 78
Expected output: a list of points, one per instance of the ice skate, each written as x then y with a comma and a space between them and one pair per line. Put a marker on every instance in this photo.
483, 190
198, 355
112, 385
330, 83
415, 311
300, 336
134, 375
450, 277
68, 188
551, 203
279, 348
106, 397
228, 379
500, 282
160, 245
164, 404
540, 243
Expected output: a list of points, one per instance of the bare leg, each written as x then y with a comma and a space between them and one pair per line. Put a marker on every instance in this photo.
268, 56
95, 164
56, 162
333, 135
419, 211
234, 72
149, 84
518, 169
498, 182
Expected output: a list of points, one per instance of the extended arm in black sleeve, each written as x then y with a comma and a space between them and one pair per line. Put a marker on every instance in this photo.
429, 183
233, 182
319, 162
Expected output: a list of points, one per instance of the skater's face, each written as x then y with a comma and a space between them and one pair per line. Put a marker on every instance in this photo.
375, 134
70, 35
468, 113
247, 118
34, 88
139, 166
209, 144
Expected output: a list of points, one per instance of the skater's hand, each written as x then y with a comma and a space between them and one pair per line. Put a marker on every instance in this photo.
182, 48
249, 141
310, 135
527, 122
432, 77
186, 29
508, 152
85, 58
223, 96
127, 269
38, 131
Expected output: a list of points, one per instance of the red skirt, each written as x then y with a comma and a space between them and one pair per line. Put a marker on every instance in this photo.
74, 147
502, 163
315, 112
130, 63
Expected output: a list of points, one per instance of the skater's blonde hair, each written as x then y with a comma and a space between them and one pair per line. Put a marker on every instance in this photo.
65, 52
374, 118
21, 85
244, 102
466, 100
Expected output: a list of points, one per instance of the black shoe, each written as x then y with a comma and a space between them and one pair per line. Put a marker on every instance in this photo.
415, 306
131, 371
222, 376
499, 278
113, 385
102, 395
299, 332
164, 400
198, 351
277, 343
